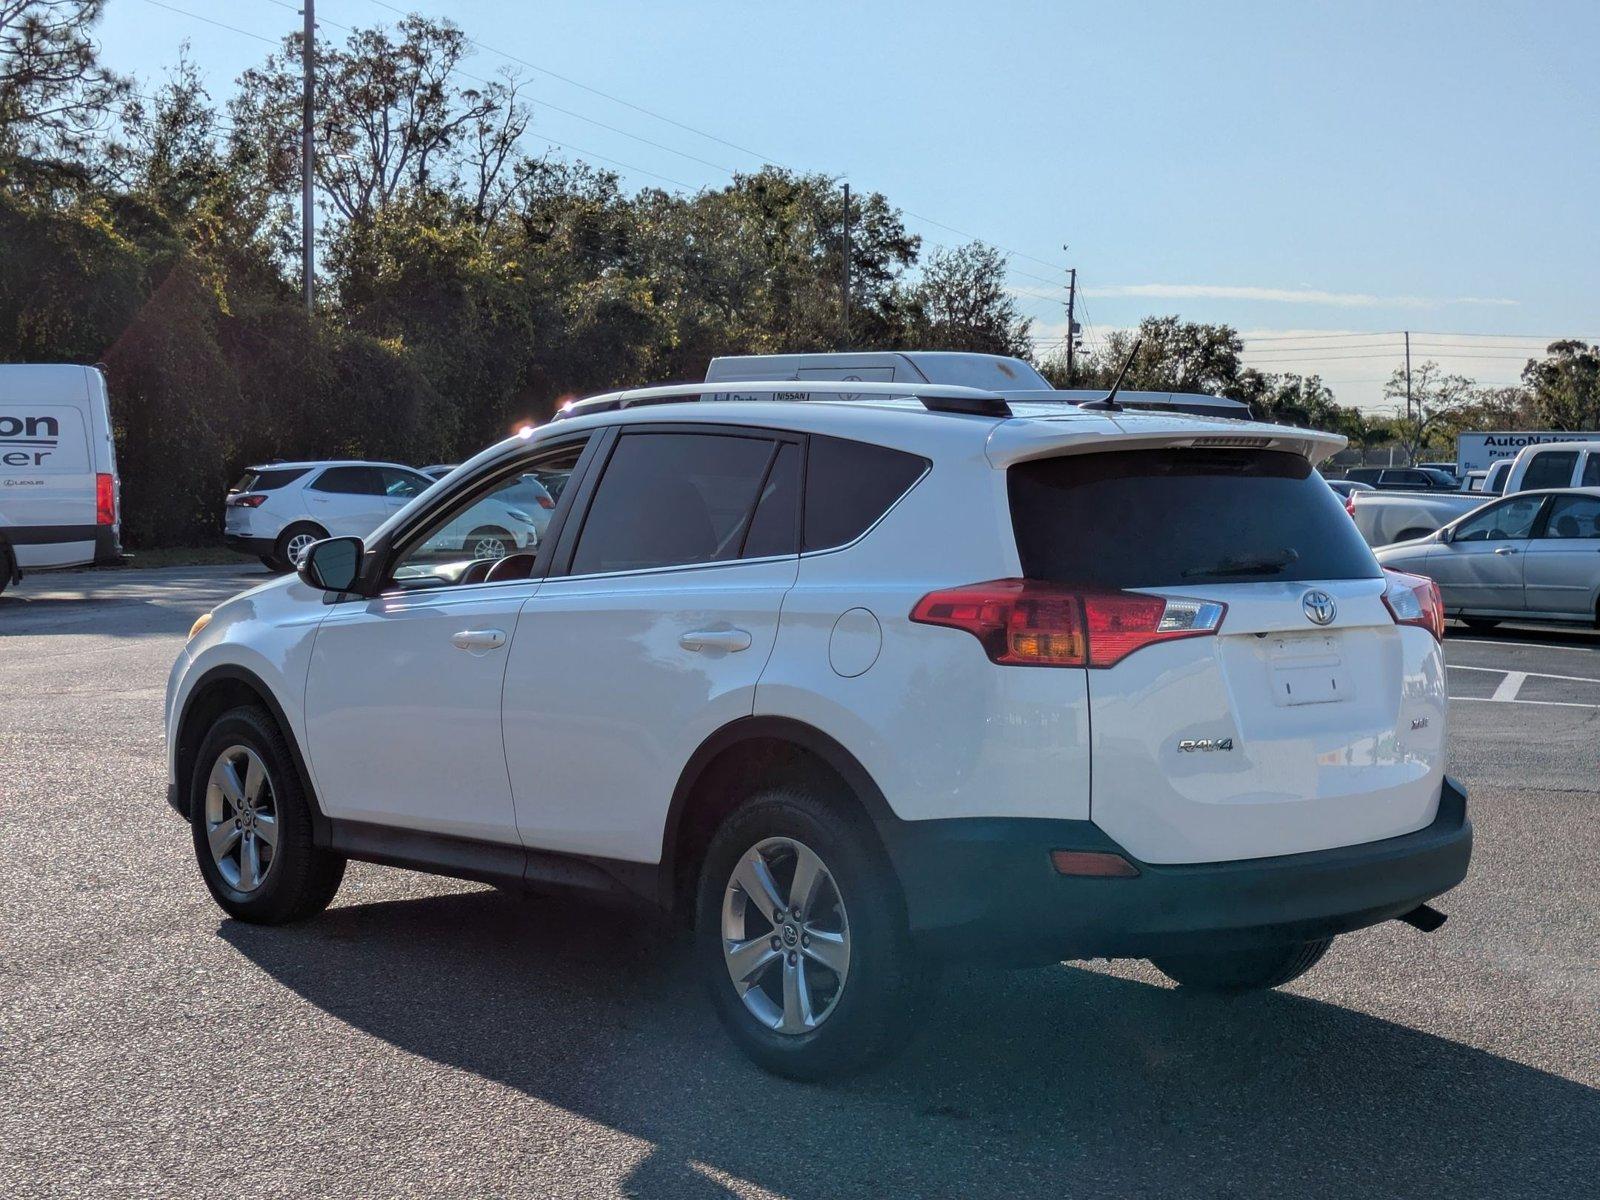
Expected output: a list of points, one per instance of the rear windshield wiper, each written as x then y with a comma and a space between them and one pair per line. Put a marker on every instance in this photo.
1266, 564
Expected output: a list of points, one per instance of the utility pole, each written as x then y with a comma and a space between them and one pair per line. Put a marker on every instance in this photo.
844, 292
1072, 326
1408, 377
308, 59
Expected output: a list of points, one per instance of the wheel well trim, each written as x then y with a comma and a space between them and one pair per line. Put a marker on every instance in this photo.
744, 730
233, 673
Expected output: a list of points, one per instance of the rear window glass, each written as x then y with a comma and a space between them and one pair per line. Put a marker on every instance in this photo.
270, 480
1165, 518
1551, 469
849, 485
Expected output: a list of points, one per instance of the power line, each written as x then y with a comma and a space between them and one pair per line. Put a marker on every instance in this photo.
211, 21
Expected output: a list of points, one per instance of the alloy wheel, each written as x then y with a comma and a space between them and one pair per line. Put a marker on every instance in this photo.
298, 545
785, 935
488, 547
242, 818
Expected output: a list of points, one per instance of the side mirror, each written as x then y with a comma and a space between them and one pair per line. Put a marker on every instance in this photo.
332, 564
1445, 535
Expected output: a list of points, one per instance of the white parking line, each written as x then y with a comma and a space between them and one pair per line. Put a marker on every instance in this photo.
1498, 700
1535, 674
1461, 641
1510, 686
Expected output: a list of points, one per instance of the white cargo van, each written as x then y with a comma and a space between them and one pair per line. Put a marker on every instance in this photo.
1010, 377
60, 498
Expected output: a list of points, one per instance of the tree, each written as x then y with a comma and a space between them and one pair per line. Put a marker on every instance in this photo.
1437, 400
1565, 385
1174, 356
55, 95
961, 302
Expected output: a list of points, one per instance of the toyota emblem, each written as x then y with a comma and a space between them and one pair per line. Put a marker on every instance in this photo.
1319, 608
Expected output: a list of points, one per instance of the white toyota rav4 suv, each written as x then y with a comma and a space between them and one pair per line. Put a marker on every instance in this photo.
854, 685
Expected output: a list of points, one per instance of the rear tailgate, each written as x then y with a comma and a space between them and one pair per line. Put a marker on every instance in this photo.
1308, 720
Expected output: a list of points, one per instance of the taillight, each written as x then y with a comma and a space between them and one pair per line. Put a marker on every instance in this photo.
105, 500
1350, 505
545, 501
1414, 600
247, 501
1023, 623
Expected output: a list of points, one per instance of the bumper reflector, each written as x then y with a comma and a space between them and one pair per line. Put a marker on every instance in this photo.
1099, 863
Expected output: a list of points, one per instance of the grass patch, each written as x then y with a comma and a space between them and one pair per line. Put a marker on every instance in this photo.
188, 556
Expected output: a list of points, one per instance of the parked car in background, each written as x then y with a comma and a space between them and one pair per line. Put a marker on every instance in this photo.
438, 470
1406, 516
1443, 468
1344, 487
855, 682
277, 510
1533, 556
60, 497
1418, 479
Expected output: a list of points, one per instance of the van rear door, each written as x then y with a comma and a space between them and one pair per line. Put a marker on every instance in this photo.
1308, 719
47, 475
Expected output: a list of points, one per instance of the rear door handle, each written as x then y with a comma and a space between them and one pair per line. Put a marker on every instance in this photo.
478, 639
731, 640
1505, 550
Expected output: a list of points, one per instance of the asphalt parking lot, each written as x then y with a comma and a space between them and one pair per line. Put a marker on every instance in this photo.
427, 1037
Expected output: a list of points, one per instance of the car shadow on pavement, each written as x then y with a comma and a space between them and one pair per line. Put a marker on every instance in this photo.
1046, 1082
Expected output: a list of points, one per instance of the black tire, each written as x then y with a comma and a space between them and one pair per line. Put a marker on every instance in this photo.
280, 550
8, 568
492, 534
272, 563
1243, 970
1411, 534
877, 1008
1480, 624
300, 880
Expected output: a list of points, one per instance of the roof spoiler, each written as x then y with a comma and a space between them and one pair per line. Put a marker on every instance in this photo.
939, 398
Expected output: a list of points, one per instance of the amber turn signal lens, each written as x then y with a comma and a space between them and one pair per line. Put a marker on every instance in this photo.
1099, 863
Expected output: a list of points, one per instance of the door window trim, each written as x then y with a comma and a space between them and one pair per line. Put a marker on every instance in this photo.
474, 488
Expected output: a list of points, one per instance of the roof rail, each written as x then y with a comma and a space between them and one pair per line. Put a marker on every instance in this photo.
940, 398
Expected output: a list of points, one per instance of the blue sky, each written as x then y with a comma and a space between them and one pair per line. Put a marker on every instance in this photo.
1302, 172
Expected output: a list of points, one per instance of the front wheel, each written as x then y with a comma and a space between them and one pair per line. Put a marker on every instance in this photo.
251, 822
802, 937
1243, 970
489, 542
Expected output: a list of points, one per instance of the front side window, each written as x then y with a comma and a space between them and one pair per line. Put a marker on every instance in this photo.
404, 485
1573, 517
673, 499
1507, 521
1549, 469
494, 535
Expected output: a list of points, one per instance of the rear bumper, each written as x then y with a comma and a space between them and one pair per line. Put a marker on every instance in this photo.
986, 889
258, 546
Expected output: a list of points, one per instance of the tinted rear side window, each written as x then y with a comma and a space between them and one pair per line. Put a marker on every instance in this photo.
350, 481
1165, 518
269, 481
667, 499
849, 485
776, 523
1551, 469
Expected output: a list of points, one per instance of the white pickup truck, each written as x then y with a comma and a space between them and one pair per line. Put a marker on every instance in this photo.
1387, 517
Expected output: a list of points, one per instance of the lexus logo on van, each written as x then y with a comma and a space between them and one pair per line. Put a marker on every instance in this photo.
1319, 607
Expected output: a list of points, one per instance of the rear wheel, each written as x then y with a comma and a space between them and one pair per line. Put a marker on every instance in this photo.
251, 822
8, 568
489, 542
295, 541
802, 937
1480, 624
1243, 970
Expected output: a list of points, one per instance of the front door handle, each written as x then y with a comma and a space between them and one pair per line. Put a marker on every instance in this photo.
731, 640
1505, 550
478, 639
